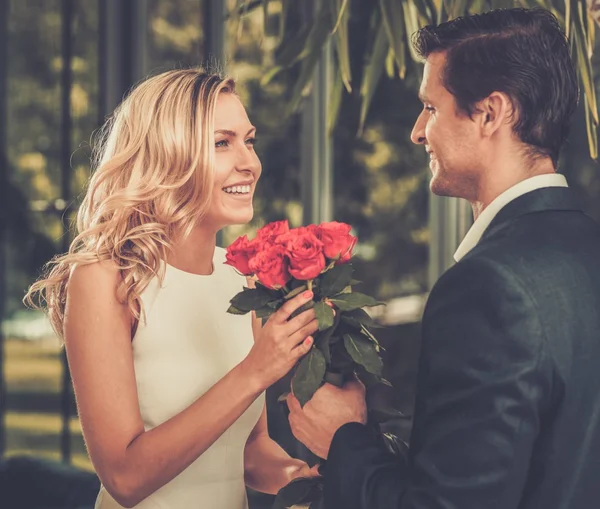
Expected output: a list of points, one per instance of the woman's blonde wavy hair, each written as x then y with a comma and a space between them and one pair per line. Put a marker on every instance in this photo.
153, 181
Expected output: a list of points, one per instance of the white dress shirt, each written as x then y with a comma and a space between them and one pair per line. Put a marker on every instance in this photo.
476, 231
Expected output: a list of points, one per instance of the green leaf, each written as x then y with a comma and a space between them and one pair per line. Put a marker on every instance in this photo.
275, 294
305, 307
322, 343
270, 74
341, 361
368, 379
457, 8
585, 65
235, 311
358, 317
293, 49
355, 300
250, 299
314, 47
324, 339
339, 12
325, 315
372, 73
363, 352
336, 279
282, 18
392, 16
295, 291
307, 71
334, 102
592, 131
265, 312
390, 68
411, 19
308, 376
369, 335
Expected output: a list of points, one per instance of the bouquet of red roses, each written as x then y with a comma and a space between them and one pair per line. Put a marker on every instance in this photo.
288, 261
285, 262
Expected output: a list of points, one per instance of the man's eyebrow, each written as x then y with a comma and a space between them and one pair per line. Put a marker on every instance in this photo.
423, 98
233, 134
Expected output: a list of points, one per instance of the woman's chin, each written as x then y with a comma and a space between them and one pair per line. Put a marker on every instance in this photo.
241, 218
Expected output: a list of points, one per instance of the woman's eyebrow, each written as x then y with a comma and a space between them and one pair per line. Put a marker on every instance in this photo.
233, 134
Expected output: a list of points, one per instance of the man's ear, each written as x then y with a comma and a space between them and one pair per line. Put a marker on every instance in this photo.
495, 111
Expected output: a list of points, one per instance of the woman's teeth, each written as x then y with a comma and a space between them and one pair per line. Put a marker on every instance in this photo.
237, 189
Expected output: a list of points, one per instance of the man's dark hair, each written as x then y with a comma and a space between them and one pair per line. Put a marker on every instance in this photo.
521, 52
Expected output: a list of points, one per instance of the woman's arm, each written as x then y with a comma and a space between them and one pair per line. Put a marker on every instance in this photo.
267, 467
133, 463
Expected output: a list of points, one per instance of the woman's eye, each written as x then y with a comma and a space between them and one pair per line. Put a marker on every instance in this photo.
251, 141
222, 143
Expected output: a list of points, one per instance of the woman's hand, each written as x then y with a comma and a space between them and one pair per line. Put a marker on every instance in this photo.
281, 342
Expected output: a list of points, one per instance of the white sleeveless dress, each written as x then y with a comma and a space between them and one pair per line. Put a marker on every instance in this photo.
188, 343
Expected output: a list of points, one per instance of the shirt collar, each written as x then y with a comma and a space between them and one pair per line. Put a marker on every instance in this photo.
476, 231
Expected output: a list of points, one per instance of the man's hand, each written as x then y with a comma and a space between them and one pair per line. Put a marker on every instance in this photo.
330, 408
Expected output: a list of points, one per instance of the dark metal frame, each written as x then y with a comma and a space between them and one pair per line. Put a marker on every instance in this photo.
4, 11
66, 82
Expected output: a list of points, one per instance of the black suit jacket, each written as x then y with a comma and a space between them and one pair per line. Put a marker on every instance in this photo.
507, 411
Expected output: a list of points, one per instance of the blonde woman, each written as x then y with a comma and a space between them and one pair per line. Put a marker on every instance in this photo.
169, 387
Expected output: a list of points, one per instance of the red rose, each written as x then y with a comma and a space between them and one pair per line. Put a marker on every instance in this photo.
239, 254
305, 252
338, 243
269, 232
271, 266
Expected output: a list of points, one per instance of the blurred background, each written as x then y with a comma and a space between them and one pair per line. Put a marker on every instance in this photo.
65, 65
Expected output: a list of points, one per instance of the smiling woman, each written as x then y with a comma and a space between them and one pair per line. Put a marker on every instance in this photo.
169, 386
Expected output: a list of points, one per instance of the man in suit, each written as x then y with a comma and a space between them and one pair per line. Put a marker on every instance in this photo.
507, 411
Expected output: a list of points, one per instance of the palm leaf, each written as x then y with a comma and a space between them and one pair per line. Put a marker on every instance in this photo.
339, 13
393, 21
411, 19
585, 65
592, 130
396, 22
373, 72
335, 100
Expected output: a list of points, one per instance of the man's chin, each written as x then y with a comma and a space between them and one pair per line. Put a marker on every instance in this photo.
440, 188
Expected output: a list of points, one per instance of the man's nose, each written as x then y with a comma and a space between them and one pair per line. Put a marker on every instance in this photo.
417, 135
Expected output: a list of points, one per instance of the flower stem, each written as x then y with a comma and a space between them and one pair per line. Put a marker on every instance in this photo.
309, 283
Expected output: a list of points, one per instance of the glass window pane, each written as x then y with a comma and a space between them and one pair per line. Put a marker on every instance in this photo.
32, 364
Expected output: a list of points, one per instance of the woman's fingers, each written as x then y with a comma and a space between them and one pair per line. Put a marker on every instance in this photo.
300, 335
303, 348
285, 311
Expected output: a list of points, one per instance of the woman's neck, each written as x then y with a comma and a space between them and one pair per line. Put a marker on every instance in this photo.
195, 253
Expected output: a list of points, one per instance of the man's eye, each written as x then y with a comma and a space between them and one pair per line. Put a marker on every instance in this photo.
429, 108
222, 143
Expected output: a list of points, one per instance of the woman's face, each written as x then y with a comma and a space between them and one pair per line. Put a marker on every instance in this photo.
237, 167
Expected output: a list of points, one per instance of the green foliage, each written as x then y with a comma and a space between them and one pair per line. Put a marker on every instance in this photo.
394, 22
